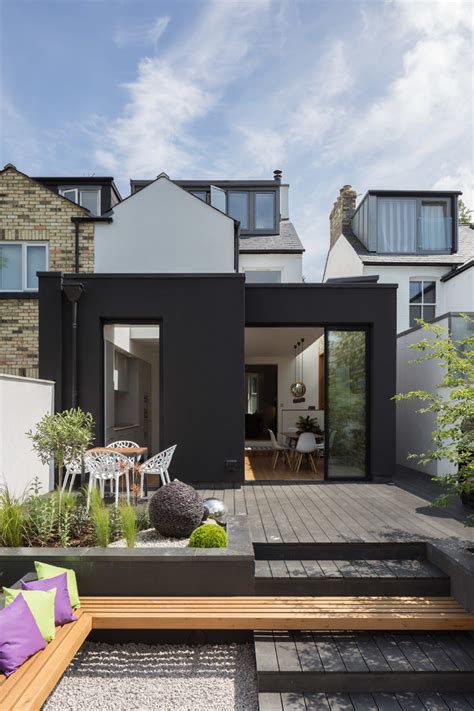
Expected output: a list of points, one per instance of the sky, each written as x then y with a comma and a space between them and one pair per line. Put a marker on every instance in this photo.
374, 94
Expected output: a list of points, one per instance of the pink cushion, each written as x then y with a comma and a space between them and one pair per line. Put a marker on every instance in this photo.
62, 602
20, 637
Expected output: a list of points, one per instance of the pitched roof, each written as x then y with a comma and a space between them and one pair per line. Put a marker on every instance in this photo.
286, 241
464, 253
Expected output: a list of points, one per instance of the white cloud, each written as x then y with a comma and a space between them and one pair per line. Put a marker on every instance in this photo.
141, 34
175, 90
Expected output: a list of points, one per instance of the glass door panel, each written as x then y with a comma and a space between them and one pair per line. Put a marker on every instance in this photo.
346, 404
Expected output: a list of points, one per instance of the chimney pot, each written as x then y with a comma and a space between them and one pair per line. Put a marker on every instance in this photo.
277, 175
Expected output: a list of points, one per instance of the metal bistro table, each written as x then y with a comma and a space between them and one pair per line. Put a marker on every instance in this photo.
130, 452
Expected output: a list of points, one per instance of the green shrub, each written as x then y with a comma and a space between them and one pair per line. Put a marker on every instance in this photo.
128, 522
209, 535
143, 520
12, 520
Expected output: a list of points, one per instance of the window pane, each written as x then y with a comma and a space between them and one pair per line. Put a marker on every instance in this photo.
201, 194
90, 200
428, 313
35, 262
435, 227
70, 194
263, 277
264, 211
237, 207
396, 225
429, 292
218, 198
10, 267
415, 292
347, 404
415, 312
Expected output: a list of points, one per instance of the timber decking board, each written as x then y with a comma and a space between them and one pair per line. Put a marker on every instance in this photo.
338, 512
404, 568
429, 701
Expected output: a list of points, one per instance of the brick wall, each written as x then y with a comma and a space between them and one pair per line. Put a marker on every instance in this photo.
30, 212
342, 212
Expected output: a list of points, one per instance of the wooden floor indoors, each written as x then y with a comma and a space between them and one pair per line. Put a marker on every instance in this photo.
258, 467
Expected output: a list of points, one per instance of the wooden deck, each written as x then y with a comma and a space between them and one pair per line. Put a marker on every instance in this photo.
324, 512
258, 467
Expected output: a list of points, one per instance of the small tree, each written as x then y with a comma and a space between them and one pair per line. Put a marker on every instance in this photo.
452, 403
62, 437
464, 214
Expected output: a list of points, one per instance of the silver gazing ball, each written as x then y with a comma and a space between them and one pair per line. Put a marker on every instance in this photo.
216, 509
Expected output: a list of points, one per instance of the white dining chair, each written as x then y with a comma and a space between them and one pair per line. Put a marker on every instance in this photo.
73, 468
159, 464
279, 449
305, 447
105, 467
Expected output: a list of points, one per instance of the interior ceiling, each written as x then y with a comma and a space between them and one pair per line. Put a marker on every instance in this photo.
266, 341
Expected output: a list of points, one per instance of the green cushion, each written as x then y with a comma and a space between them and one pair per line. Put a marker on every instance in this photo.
41, 604
45, 570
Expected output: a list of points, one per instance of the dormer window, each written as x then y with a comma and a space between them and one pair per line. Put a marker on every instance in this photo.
256, 210
88, 197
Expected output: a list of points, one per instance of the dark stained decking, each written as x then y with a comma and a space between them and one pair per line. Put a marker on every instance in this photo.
324, 512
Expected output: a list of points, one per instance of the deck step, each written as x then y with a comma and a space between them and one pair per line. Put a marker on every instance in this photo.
364, 662
350, 577
427, 701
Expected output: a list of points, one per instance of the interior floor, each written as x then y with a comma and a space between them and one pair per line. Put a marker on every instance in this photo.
258, 467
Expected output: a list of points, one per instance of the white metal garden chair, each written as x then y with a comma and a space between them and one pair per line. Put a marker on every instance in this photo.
124, 444
159, 464
107, 467
73, 468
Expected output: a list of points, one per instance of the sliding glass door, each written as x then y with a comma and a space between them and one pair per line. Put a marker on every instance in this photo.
346, 403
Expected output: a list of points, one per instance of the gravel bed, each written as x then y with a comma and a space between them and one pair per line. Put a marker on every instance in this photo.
161, 677
152, 539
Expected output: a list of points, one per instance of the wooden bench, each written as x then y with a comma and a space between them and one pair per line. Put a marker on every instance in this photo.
267, 613
29, 687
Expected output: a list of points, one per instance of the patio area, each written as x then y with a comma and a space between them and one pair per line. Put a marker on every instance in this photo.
329, 512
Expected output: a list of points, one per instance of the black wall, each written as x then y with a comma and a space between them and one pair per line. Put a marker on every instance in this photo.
202, 320
201, 359
369, 305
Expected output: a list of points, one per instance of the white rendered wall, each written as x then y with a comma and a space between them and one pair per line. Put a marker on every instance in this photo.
342, 261
290, 265
284, 202
23, 402
401, 275
164, 229
458, 293
414, 430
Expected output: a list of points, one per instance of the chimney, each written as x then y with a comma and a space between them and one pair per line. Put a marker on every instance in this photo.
277, 175
341, 214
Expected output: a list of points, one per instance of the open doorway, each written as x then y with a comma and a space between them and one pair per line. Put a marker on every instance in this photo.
131, 384
276, 359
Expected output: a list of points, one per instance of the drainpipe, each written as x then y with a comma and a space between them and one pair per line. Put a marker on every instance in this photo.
73, 291
77, 221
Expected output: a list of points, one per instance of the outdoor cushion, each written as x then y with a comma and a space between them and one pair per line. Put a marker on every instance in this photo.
41, 604
20, 636
62, 603
45, 571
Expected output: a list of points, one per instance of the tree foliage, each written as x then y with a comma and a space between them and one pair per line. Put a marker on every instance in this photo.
452, 404
464, 214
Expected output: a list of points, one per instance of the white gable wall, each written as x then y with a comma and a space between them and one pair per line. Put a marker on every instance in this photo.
342, 261
164, 229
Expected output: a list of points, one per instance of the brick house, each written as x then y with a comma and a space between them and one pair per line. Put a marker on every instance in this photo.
40, 230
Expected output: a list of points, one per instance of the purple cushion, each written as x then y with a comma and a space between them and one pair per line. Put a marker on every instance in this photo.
62, 602
20, 637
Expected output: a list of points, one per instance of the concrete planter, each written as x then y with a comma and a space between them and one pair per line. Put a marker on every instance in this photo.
148, 571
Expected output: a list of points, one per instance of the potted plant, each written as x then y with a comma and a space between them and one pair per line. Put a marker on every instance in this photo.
308, 424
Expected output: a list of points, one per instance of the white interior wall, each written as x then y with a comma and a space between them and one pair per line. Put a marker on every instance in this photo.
23, 402
120, 337
164, 229
288, 412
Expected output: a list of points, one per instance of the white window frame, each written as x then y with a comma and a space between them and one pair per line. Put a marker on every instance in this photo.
24, 263
423, 280
78, 191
